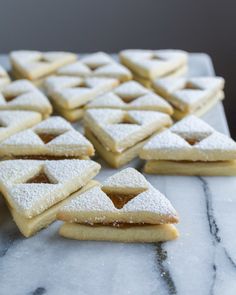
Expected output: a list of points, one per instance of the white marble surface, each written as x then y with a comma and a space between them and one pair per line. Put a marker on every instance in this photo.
202, 261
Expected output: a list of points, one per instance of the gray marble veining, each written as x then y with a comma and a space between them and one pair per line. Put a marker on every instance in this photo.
202, 261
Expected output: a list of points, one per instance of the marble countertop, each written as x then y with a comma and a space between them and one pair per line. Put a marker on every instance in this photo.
202, 261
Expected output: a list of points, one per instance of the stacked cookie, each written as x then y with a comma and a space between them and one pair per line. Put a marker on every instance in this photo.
147, 65
76, 84
35, 65
190, 95
46, 172
23, 95
69, 95
190, 147
35, 190
126, 208
118, 135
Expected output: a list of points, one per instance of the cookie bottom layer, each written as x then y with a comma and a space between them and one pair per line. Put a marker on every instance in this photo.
224, 168
178, 115
115, 160
144, 233
29, 226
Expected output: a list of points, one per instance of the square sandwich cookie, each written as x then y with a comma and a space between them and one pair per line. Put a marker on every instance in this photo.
4, 78
12, 122
118, 135
97, 64
69, 95
53, 138
34, 65
190, 95
126, 208
131, 96
23, 95
36, 190
153, 64
190, 147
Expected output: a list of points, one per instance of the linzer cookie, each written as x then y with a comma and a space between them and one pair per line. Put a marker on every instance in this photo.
126, 208
190, 147
131, 96
36, 190
118, 135
97, 64
33, 65
148, 65
4, 78
12, 122
53, 138
190, 95
23, 95
71, 94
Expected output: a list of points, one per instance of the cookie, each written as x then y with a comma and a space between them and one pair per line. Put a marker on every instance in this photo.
35, 189
125, 208
190, 147
32, 65
73, 92
118, 135
152, 64
131, 96
23, 95
12, 122
190, 95
97, 64
50, 139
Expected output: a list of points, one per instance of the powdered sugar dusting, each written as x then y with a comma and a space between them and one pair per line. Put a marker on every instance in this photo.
129, 178
53, 124
11, 118
130, 89
150, 201
93, 199
166, 140
192, 126
32, 198
24, 139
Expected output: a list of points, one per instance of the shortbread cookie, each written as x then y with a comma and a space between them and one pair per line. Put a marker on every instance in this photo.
31, 187
125, 234
118, 130
131, 96
12, 122
30, 226
165, 167
126, 207
23, 95
191, 147
4, 78
52, 138
97, 64
180, 72
151, 64
33, 65
190, 95
115, 159
73, 92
